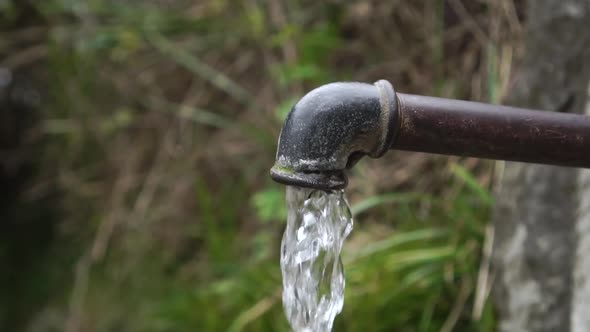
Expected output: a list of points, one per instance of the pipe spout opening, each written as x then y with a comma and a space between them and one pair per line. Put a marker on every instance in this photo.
330, 129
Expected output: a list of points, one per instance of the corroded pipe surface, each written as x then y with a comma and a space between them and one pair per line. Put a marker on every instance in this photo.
331, 128
464, 128
335, 125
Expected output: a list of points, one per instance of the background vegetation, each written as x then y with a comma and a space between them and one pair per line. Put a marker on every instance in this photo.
137, 136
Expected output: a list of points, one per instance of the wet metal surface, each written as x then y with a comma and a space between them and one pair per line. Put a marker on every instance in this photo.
316, 180
331, 128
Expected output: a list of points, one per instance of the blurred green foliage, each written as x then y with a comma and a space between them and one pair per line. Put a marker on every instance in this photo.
159, 125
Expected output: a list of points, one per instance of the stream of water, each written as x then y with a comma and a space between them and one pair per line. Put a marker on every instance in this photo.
313, 277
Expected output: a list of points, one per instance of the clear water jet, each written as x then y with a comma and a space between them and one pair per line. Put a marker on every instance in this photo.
313, 276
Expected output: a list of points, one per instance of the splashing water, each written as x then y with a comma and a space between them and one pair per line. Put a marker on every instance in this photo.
313, 277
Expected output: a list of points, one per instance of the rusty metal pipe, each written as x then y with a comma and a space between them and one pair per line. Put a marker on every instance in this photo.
335, 125
465, 128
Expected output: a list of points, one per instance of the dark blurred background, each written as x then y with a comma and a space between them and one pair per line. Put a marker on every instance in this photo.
136, 139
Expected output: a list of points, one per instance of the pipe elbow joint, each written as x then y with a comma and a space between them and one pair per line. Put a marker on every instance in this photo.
330, 129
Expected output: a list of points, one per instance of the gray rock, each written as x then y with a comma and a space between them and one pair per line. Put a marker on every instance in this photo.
542, 216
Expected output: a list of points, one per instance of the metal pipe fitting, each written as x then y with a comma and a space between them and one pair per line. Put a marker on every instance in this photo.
331, 128
335, 125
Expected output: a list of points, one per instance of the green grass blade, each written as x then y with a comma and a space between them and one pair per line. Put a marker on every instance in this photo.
471, 182
390, 198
